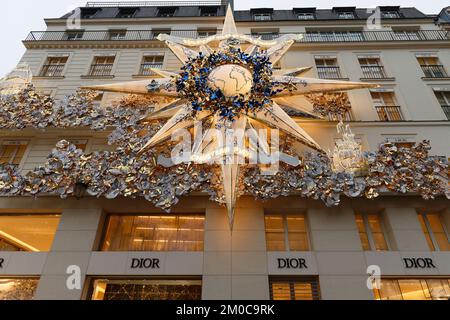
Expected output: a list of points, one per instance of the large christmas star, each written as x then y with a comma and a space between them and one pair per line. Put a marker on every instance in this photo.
250, 103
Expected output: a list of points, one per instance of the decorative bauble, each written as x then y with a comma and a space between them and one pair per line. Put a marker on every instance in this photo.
231, 79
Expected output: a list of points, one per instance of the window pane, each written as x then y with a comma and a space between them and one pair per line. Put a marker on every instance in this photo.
298, 241
439, 289
425, 232
154, 233
275, 234
296, 223
412, 290
389, 290
28, 232
303, 291
17, 289
438, 231
377, 232
137, 289
362, 232
281, 291
294, 288
275, 241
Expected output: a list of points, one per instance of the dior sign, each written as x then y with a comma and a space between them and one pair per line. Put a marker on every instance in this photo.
145, 263
292, 263
419, 263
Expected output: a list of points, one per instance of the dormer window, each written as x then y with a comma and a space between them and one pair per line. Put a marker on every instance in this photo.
390, 12
208, 11
346, 15
89, 13
305, 13
345, 12
262, 14
167, 11
306, 16
126, 13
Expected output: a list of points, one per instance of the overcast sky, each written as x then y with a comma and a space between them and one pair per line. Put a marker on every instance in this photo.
21, 16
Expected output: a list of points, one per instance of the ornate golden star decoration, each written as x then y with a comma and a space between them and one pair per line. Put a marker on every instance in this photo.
178, 110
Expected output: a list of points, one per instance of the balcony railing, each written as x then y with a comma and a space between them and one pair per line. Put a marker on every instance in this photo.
434, 71
373, 72
145, 69
329, 72
52, 70
94, 4
101, 70
389, 113
446, 111
309, 37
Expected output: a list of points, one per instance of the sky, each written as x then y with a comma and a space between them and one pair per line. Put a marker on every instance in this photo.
24, 16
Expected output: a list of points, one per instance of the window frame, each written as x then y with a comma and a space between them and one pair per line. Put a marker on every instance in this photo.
107, 220
284, 216
435, 243
291, 281
369, 232
18, 143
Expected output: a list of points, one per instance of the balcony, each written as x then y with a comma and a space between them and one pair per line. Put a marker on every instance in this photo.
309, 37
329, 72
446, 111
373, 72
145, 69
434, 71
389, 113
101, 70
52, 70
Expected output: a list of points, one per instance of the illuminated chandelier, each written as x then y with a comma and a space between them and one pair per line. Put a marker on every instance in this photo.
233, 89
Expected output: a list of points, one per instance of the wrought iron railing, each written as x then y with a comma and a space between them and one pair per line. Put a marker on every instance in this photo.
446, 111
329, 72
389, 113
373, 72
94, 4
145, 69
101, 70
52, 70
434, 71
308, 37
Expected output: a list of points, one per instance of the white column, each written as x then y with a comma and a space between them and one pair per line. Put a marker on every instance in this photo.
73, 243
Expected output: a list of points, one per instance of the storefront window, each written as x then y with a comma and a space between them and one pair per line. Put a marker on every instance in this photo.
413, 289
31, 233
154, 233
286, 233
18, 289
297, 288
140, 289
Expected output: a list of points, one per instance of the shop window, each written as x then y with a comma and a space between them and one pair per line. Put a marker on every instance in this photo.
413, 289
371, 232
154, 233
12, 152
286, 232
18, 289
294, 288
144, 289
434, 231
32, 233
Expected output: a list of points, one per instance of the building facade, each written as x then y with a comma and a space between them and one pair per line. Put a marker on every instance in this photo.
287, 248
